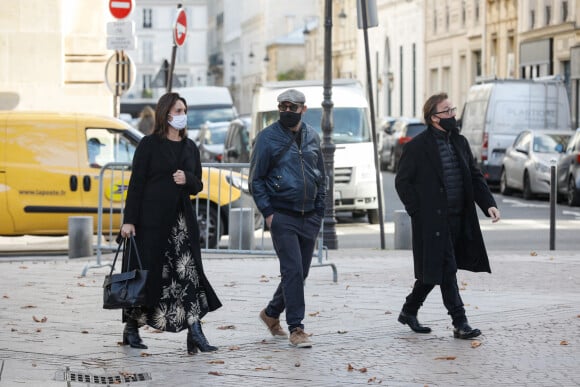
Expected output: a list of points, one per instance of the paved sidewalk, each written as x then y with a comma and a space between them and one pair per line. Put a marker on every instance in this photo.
528, 311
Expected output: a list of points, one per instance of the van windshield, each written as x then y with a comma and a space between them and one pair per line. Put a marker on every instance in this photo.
350, 124
196, 115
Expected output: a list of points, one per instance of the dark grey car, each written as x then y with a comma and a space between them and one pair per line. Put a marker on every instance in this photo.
569, 171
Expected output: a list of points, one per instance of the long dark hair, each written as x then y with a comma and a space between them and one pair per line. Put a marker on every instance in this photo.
162, 109
430, 106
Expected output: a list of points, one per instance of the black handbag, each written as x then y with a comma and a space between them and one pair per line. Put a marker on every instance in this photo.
127, 289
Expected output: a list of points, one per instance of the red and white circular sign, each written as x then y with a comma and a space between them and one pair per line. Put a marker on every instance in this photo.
180, 27
120, 9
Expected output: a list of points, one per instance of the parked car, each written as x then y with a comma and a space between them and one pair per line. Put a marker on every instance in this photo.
237, 143
404, 130
569, 171
210, 140
385, 140
51, 169
526, 164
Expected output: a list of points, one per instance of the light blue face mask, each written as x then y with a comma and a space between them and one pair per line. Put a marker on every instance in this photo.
179, 122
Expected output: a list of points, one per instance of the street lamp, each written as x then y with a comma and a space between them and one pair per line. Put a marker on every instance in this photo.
328, 147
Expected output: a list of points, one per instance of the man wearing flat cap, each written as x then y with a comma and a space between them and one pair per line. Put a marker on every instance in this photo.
288, 183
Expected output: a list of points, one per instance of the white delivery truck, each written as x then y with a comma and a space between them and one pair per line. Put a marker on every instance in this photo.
355, 188
496, 111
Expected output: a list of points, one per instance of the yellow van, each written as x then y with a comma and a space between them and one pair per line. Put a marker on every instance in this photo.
49, 170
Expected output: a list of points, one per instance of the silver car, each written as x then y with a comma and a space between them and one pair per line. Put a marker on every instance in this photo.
526, 164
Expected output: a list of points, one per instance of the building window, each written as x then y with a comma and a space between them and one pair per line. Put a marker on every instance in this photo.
147, 50
476, 11
477, 63
147, 78
463, 13
183, 80
181, 54
532, 19
548, 14
446, 18
434, 20
147, 18
564, 11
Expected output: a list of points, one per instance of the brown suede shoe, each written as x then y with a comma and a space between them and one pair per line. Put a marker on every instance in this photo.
299, 338
273, 324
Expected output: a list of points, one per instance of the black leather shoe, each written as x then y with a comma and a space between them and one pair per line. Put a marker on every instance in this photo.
464, 331
413, 323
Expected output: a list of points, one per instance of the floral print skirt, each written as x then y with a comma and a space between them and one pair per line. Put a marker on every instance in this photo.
183, 300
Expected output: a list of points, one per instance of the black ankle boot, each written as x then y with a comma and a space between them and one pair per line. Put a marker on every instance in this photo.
131, 335
196, 339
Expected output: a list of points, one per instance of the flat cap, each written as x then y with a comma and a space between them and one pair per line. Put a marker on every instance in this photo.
292, 95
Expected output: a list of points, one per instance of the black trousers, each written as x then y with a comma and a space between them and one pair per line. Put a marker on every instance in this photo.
449, 289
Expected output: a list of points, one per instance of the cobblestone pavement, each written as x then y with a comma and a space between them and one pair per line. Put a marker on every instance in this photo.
54, 329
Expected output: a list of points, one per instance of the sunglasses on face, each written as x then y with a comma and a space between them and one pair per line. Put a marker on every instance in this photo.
285, 106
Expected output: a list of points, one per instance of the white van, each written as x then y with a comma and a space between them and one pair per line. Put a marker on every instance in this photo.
207, 103
496, 111
355, 188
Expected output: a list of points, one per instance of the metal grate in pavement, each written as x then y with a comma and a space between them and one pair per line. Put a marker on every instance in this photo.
119, 378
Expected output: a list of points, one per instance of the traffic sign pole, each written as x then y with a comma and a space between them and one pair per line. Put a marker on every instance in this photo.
179, 35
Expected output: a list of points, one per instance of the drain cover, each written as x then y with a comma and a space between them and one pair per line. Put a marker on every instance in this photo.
118, 378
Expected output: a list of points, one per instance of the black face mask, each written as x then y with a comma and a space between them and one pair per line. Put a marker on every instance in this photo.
448, 124
290, 119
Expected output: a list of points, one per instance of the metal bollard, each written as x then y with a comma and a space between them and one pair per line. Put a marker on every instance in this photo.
241, 229
80, 236
403, 240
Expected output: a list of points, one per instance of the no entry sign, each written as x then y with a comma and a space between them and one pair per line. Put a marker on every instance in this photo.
180, 27
120, 9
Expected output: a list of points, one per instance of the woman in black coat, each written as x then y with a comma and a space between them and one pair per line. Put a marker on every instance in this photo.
439, 184
158, 212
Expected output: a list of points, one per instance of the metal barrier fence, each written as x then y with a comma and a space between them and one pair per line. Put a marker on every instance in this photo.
224, 208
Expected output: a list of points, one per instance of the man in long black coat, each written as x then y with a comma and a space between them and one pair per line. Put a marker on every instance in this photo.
439, 184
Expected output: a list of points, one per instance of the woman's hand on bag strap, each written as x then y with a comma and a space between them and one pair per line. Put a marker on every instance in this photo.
127, 230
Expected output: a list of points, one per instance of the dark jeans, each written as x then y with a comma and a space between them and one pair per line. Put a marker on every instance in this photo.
294, 239
449, 289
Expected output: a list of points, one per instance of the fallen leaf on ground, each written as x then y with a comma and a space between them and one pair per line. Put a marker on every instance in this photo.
23, 267
69, 297
41, 320
215, 373
388, 312
314, 314
475, 344
363, 370
230, 285
446, 358
5, 296
234, 348
28, 307
224, 327
533, 254
13, 330
81, 284
563, 342
349, 367
297, 364
263, 368
216, 362
145, 354
38, 330
341, 332
85, 331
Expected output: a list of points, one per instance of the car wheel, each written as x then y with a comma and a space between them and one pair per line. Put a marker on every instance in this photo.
573, 196
373, 216
528, 194
503, 185
207, 222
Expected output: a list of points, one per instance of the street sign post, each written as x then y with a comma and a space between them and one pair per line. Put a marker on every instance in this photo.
120, 9
119, 76
180, 27
179, 35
